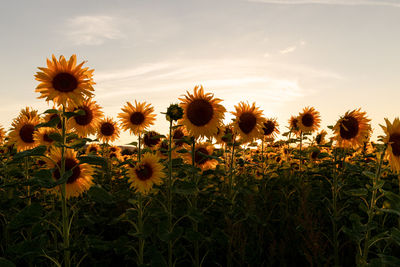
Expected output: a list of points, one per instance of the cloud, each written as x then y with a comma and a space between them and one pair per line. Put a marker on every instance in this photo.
93, 30
292, 48
389, 3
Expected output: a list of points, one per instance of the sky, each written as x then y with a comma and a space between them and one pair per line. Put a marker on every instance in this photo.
334, 55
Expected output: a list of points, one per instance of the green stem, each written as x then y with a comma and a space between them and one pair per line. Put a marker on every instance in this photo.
140, 226
262, 156
335, 213
231, 170
27, 178
195, 224
371, 210
300, 156
139, 148
170, 245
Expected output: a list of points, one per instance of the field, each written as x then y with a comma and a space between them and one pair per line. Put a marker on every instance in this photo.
202, 194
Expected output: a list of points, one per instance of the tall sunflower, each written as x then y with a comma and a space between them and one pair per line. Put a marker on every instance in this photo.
151, 139
22, 132
41, 136
51, 116
202, 113
88, 123
146, 173
270, 128
28, 112
65, 82
352, 129
107, 130
224, 134
320, 138
248, 122
93, 149
294, 125
178, 136
137, 118
201, 160
309, 120
2, 135
392, 139
82, 174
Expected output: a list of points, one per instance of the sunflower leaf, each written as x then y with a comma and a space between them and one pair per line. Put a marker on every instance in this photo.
51, 111
37, 151
51, 123
93, 160
56, 137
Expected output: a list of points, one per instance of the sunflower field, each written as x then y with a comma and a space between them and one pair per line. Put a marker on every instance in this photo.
203, 194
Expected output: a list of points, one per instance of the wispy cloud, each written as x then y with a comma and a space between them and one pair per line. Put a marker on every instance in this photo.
390, 3
292, 48
93, 30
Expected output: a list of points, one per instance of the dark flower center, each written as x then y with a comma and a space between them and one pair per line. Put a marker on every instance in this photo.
200, 112
65, 82
315, 154
151, 139
247, 122
113, 149
164, 147
107, 129
349, 128
26, 133
144, 172
395, 143
269, 127
307, 120
93, 149
69, 164
84, 119
177, 137
137, 118
293, 123
47, 139
199, 158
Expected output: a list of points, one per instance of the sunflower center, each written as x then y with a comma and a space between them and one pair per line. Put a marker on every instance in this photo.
307, 120
65, 82
69, 164
247, 122
107, 129
395, 143
293, 124
315, 154
349, 128
93, 150
199, 158
144, 172
178, 136
113, 149
150, 139
47, 139
26, 133
84, 119
269, 127
137, 118
200, 112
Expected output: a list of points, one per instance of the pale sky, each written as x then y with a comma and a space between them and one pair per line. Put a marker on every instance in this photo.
335, 55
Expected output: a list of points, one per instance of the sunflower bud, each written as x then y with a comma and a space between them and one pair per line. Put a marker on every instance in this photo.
174, 112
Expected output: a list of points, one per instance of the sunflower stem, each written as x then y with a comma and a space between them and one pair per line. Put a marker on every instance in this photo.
194, 206
300, 155
231, 169
67, 260
335, 212
371, 210
140, 226
170, 245
26, 165
262, 156
139, 148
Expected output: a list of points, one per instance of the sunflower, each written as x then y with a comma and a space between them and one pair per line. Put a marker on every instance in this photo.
270, 128
320, 138
107, 130
50, 116
392, 139
202, 113
28, 112
162, 149
88, 123
22, 132
224, 134
248, 122
146, 173
114, 152
41, 136
294, 125
65, 82
151, 139
93, 149
81, 178
309, 120
352, 129
178, 136
2, 135
202, 150
137, 118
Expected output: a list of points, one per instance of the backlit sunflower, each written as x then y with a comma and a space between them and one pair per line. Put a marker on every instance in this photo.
81, 178
248, 122
65, 82
294, 125
224, 134
162, 149
107, 130
270, 128
309, 120
87, 124
352, 129
392, 139
52, 116
202, 113
2, 135
320, 138
93, 149
137, 118
41, 136
28, 112
22, 132
151, 139
178, 136
202, 150
146, 173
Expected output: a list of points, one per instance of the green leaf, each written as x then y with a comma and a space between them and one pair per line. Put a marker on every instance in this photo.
52, 123
184, 189
394, 203
44, 178
395, 235
389, 260
99, 195
37, 151
6, 263
51, 111
359, 192
370, 175
56, 137
93, 160
27, 216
